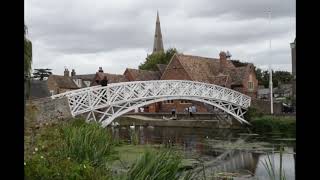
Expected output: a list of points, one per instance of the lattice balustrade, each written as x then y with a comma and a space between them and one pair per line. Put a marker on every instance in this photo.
104, 104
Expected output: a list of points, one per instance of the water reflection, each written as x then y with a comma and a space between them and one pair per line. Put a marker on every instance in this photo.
194, 142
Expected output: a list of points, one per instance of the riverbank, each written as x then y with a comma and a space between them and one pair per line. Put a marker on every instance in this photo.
140, 120
266, 124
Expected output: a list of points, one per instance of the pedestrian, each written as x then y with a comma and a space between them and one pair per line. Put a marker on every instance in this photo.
190, 111
173, 111
104, 81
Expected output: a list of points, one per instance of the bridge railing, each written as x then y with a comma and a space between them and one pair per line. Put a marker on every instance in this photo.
217, 92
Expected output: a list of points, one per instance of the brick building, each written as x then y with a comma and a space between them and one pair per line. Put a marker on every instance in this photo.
219, 71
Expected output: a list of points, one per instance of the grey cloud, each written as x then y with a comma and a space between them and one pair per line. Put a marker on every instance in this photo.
77, 28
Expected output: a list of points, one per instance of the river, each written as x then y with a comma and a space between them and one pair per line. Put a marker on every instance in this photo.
220, 150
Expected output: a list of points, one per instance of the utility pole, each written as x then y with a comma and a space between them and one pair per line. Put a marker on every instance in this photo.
270, 69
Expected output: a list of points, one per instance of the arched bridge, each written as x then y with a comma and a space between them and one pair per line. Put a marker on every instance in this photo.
105, 103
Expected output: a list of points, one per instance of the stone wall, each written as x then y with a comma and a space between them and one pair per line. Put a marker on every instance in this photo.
47, 110
264, 106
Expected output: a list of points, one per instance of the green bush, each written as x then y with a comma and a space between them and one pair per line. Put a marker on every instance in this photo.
252, 113
273, 124
71, 150
45, 168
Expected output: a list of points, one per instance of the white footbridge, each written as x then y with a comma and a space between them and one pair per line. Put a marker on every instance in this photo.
105, 103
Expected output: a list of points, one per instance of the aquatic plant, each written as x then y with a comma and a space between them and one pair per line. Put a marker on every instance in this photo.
271, 170
158, 166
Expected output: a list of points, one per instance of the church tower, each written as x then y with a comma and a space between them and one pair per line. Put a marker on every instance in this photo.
158, 44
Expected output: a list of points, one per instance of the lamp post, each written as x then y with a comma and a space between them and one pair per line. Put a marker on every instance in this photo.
270, 69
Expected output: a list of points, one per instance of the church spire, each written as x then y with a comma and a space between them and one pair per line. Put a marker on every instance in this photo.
158, 44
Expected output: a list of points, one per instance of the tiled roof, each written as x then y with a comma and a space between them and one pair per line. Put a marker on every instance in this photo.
205, 69
144, 75
64, 82
84, 77
112, 78
161, 67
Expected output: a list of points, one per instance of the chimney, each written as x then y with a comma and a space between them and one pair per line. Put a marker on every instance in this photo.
66, 72
100, 70
73, 72
223, 60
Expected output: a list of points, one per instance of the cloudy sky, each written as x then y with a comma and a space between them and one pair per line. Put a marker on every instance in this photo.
115, 34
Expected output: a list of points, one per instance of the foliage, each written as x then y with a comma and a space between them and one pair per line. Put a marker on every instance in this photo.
273, 124
54, 154
27, 62
79, 150
156, 166
277, 77
42, 73
237, 63
157, 58
45, 167
252, 113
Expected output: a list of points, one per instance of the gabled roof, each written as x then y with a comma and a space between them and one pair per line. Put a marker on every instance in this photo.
144, 75
161, 67
64, 82
207, 70
84, 77
202, 69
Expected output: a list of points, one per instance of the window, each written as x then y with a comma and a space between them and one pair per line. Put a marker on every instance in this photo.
250, 85
184, 102
87, 83
168, 102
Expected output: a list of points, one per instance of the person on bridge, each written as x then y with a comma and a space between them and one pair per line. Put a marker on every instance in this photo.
104, 81
190, 111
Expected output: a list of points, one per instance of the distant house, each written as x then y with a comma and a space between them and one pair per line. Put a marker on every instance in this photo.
161, 68
220, 71
83, 80
59, 84
112, 78
141, 75
38, 89
281, 92
284, 90
264, 93
215, 71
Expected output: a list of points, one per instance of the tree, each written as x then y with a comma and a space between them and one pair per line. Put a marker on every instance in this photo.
237, 63
27, 64
42, 73
277, 77
157, 58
